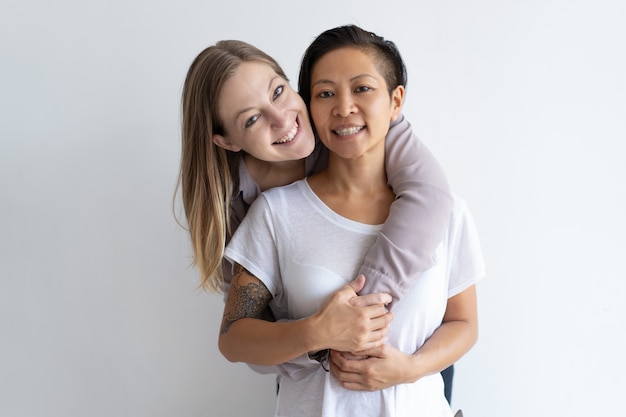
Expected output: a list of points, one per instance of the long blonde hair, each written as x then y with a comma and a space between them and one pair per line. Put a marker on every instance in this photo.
208, 173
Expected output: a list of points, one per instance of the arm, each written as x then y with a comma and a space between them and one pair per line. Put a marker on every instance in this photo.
417, 219
387, 366
240, 203
246, 337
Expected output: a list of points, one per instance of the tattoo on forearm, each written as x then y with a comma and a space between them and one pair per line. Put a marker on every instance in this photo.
248, 300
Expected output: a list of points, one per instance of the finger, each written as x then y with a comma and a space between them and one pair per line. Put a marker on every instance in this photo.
379, 317
371, 299
350, 290
376, 352
355, 386
350, 380
336, 369
336, 362
358, 283
344, 358
372, 340
375, 336
345, 365
351, 356
341, 374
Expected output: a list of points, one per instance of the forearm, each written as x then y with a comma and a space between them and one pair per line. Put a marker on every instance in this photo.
249, 334
445, 347
265, 343
417, 218
453, 339
338, 324
387, 366
407, 242
294, 369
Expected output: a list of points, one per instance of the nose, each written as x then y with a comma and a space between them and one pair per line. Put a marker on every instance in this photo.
344, 105
279, 118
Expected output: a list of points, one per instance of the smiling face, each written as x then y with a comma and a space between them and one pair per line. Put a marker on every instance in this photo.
350, 102
263, 116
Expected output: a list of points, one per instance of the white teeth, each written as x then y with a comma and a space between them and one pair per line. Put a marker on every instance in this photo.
289, 136
349, 131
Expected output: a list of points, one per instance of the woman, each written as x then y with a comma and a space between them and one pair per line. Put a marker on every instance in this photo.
225, 165
309, 238
238, 142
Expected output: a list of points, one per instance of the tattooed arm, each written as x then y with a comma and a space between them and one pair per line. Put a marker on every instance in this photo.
247, 298
246, 337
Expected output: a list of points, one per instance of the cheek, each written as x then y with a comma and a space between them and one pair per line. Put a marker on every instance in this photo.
315, 114
294, 100
254, 141
320, 111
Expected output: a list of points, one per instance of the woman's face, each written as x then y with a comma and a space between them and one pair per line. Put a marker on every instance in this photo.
263, 116
350, 102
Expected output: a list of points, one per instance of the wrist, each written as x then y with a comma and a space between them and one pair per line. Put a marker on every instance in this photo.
312, 337
416, 368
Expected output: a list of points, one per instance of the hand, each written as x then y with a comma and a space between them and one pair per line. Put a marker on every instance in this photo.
348, 322
368, 299
382, 367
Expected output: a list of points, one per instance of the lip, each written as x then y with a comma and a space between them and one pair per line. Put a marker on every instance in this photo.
345, 131
295, 135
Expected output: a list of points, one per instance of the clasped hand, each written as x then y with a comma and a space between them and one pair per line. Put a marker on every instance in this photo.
371, 370
370, 364
353, 323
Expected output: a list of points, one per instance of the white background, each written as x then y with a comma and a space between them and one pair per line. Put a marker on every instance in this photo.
522, 102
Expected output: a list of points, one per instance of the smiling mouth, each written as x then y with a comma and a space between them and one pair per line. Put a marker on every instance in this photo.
348, 130
289, 136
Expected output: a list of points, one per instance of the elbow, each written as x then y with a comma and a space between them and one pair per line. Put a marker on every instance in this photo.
221, 345
472, 337
467, 336
226, 349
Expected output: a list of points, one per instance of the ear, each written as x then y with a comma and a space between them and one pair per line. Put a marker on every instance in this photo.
223, 142
397, 100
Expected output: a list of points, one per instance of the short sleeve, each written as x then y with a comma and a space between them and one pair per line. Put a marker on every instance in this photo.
253, 246
466, 262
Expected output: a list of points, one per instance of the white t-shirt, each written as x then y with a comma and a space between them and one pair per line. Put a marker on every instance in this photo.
303, 251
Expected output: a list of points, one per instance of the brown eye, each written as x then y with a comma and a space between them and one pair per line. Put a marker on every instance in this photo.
325, 94
362, 89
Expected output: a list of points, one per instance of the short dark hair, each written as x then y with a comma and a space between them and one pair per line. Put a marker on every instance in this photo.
389, 61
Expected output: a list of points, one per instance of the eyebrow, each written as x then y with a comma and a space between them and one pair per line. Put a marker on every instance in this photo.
247, 109
356, 77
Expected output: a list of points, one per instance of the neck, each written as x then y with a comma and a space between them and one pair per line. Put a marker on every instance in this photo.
360, 176
274, 174
355, 189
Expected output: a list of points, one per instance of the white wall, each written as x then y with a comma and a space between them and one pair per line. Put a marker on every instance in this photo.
522, 102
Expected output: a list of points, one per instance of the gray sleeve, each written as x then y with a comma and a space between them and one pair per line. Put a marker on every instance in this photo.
417, 218
295, 369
